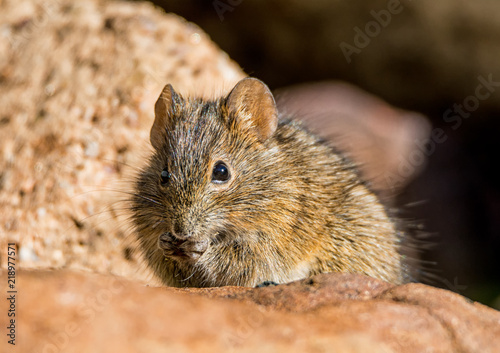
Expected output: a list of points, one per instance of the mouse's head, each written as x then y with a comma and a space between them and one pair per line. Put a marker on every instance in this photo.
209, 184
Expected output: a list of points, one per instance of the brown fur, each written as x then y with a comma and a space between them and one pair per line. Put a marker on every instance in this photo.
293, 207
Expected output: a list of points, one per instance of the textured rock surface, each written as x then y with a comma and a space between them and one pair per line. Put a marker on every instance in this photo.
81, 312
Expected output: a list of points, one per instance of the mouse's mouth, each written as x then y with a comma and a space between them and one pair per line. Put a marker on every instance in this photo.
181, 249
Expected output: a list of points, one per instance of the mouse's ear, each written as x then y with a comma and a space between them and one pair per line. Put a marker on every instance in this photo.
252, 105
164, 110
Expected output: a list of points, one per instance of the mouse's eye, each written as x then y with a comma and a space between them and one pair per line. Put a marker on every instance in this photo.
220, 174
164, 177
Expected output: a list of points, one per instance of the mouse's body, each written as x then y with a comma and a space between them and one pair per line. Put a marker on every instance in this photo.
234, 195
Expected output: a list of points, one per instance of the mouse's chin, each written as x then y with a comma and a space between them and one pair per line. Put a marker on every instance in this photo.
182, 250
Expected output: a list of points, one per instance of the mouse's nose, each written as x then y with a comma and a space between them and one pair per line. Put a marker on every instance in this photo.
167, 240
179, 232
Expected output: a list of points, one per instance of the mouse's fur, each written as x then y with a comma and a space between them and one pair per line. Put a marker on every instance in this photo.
292, 207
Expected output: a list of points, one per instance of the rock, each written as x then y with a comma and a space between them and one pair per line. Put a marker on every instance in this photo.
387, 143
82, 312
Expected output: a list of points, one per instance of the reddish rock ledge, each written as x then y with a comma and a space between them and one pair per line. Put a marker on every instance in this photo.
63, 311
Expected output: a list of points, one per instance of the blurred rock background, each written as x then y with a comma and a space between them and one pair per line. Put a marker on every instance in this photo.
426, 56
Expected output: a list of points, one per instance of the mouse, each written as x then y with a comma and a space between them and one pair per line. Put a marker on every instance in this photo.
236, 193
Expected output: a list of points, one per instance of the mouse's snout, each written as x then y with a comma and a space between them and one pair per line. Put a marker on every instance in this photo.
179, 232
175, 247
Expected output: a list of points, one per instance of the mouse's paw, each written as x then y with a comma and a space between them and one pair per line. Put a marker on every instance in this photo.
267, 284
